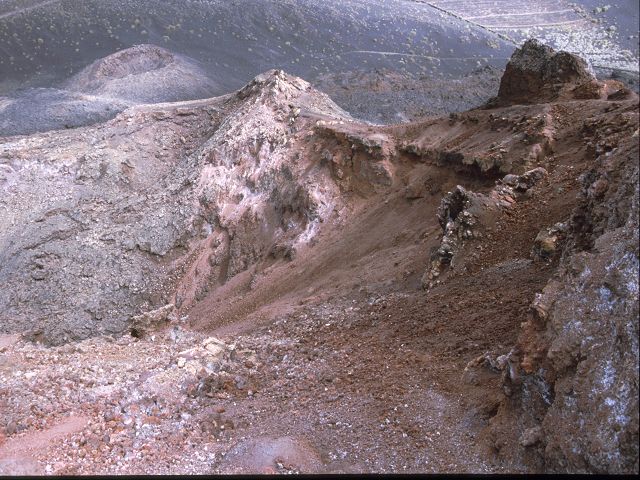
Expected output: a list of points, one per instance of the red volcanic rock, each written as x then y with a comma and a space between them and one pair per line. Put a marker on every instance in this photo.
537, 73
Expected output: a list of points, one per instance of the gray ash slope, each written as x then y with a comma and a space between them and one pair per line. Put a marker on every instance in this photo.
236, 40
218, 46
387, 97
432, 51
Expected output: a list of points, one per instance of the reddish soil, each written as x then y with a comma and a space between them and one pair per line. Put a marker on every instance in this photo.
392, 356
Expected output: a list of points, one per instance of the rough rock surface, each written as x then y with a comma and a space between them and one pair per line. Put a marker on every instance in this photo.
97, 221
582, 338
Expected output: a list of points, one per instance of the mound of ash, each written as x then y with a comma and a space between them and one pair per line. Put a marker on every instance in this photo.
144, 74
537, 73
136, 75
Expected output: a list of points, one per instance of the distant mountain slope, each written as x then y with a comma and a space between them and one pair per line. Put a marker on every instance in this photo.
237, 39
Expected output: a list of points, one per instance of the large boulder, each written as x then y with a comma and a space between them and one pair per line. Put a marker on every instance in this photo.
537, 73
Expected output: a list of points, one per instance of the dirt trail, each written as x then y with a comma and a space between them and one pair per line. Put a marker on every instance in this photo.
18, 455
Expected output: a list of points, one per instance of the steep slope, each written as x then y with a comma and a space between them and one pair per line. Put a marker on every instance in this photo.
46, 42
97, 222
578, 348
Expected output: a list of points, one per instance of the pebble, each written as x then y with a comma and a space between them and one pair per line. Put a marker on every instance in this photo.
11, 428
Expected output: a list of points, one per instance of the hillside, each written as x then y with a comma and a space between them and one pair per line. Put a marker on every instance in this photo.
260, 282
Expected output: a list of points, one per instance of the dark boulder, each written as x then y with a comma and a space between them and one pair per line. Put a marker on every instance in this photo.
537, 73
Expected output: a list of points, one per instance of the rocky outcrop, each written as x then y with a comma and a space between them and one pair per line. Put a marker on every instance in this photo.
537, 74
484, 143
153, 320
463, 215
457, 221
359, 161
548, 241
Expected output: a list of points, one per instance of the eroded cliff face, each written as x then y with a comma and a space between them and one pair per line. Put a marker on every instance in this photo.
581, 341
572, 378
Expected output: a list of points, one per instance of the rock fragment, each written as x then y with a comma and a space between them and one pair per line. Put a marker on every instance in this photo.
548, 240
147, 322
531, 436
